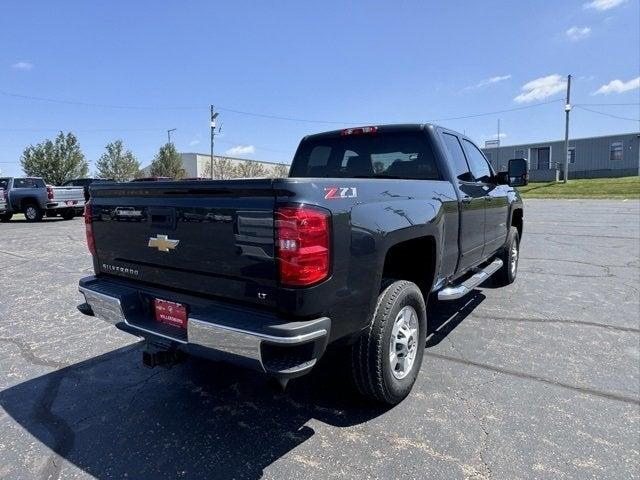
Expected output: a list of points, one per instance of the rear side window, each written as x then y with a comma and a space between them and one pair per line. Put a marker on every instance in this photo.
405, 155
457, 155
479, 165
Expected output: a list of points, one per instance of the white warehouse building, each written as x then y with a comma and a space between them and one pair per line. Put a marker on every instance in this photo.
199, 165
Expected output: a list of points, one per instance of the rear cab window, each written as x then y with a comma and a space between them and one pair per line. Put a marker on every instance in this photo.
28, 183
403, 155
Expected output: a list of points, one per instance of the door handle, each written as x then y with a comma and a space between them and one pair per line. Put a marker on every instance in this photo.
489, 199
466, 199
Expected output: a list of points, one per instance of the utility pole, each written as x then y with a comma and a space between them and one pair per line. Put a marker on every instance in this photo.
498, 148
214, 115
567, 109
169, 134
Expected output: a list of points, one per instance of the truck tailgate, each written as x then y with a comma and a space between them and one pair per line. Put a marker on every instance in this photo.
214, 238
64, 194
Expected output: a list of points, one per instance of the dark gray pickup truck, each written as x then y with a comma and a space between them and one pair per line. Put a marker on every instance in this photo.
268, 273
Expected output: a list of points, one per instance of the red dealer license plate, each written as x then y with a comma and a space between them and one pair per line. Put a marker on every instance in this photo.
171, 313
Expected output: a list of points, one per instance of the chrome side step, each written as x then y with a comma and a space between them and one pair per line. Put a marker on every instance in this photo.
458, 291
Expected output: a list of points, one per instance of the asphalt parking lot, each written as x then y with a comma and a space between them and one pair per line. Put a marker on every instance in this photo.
537, 380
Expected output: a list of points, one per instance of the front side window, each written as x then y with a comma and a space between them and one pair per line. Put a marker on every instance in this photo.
615, 151
403, 155
460, 164
479, 167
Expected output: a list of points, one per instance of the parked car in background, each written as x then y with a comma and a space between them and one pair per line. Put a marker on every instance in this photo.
32, 197
84, 183
267, 273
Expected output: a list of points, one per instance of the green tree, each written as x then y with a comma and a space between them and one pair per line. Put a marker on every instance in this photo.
281, 170
223, 169
251, 169
167, 163
55, 161
117, 163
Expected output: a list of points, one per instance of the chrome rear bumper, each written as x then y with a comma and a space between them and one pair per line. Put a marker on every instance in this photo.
281, 348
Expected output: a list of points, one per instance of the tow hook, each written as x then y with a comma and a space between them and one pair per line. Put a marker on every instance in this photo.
159, 356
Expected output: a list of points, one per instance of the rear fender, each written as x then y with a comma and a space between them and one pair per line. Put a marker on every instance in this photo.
378, 226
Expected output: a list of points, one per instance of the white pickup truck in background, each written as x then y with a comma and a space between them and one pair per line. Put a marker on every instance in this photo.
3, 201
61, 199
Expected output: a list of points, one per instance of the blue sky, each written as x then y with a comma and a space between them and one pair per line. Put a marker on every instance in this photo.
338, 61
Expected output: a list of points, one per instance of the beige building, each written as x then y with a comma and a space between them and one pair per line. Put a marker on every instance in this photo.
199, 165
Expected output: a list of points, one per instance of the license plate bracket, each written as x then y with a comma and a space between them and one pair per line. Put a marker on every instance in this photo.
170, 313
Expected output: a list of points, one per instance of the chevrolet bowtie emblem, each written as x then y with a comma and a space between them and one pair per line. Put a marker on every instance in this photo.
163, 243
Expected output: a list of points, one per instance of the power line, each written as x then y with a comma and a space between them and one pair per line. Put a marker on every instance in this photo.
606, 104
99, 105
257, 114
608, 114
91, 130
497, 111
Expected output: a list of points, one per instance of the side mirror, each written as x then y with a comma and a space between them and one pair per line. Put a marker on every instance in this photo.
518, 172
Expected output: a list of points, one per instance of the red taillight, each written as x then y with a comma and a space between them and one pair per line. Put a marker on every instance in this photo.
302, 243
88, 226
358, 131
50, 193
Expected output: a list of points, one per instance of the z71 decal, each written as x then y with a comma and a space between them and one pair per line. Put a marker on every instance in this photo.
334, 193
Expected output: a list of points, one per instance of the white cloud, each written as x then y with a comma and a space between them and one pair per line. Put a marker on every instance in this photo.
578, 33
603, 5
541, 88
194, 142
502, 135
241, 150
489, 81
618, 86
22, 66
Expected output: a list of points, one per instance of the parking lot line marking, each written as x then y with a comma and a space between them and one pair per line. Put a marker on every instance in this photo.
528, 376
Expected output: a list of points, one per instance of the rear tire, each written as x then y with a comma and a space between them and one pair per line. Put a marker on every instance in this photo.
5, 217
386, 359
68, 214
510, 256
32, 212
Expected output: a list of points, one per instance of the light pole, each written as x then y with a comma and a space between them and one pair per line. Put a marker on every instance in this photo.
169, 134
214, 115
